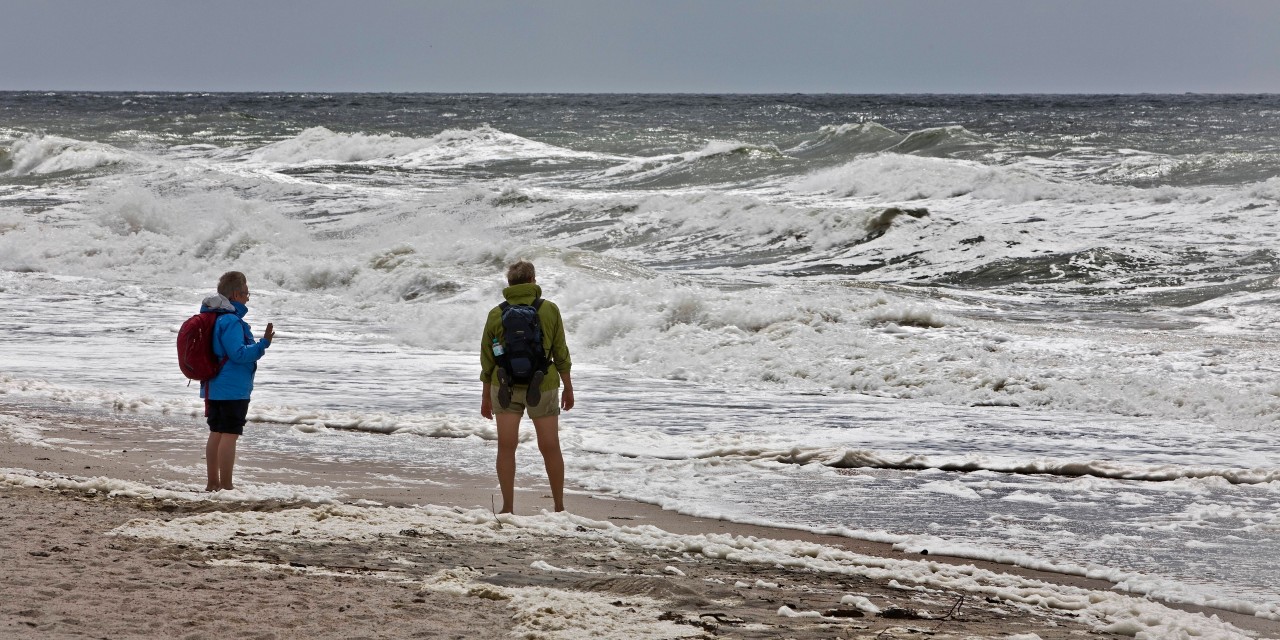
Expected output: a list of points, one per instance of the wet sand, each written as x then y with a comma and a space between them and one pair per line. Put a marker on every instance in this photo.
68, 575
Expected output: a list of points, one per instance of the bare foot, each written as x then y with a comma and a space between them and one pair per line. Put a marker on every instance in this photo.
209, 488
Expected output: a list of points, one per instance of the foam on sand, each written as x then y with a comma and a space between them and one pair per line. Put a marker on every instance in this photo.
1106, 611
114, 487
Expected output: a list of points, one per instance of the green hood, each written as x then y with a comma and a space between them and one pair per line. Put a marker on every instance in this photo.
522, 293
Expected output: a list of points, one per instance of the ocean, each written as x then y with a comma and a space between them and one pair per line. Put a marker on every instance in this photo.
1033, 329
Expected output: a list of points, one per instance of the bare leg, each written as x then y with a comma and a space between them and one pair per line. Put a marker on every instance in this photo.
226, 459
508, 438
211, 461
548, 428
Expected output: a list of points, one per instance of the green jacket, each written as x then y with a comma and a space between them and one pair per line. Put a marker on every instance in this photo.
552, 336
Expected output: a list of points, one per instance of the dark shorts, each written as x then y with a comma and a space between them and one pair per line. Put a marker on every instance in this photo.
228, 416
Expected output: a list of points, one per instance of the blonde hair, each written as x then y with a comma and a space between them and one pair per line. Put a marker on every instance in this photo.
520, 273
231, 283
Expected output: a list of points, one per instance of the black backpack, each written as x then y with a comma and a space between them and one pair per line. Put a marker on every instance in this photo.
523, 353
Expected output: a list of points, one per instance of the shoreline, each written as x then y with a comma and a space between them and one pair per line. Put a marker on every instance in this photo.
114, 446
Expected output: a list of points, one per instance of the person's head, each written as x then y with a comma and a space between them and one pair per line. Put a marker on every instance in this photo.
233, 286
520, 273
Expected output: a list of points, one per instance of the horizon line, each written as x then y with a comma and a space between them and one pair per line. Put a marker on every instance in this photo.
651, 93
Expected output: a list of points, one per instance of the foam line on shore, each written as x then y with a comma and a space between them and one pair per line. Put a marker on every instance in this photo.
1106, 611
115, 487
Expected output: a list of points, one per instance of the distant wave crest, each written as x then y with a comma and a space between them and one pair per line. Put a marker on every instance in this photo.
900, 177
457, 147
717, 161
319, 144
846, 139
941, 141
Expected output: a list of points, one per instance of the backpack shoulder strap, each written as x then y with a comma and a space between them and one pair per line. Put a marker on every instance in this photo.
505, 305
537, 304
219, 328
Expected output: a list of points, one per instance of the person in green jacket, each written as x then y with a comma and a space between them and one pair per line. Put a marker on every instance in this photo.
545, 410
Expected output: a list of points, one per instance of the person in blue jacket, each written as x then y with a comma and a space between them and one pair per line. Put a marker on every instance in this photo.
227, 394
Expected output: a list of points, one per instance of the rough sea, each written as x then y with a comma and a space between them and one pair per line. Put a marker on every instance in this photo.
1035, 329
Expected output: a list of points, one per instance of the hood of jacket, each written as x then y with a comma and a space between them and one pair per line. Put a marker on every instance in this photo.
220, 304
522, 293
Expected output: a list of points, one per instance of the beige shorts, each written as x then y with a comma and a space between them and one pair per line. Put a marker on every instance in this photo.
548, 405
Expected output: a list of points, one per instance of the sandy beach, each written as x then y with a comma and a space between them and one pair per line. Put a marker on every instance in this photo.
108, 537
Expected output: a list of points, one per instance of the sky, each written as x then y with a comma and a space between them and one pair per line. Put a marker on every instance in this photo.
662, 46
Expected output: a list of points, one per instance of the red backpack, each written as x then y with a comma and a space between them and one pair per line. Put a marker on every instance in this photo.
195, 347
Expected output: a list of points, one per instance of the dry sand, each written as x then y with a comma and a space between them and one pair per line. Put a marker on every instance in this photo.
70, 572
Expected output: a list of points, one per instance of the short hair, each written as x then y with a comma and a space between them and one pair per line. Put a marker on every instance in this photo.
520, 273
232, 282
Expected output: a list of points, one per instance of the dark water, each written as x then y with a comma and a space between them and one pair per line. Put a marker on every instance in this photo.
647, 125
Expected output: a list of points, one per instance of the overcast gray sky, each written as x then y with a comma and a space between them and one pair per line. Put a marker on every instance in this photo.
738, 46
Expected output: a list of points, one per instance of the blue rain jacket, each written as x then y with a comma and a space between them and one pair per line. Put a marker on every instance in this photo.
233, 340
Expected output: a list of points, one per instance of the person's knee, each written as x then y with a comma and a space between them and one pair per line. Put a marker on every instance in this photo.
507, 443
549, 440
549, 448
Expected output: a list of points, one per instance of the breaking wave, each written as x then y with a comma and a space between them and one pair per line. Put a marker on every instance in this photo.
37, 154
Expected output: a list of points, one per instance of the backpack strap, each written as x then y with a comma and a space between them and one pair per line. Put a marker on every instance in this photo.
537, 306
217, 335
217, 338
